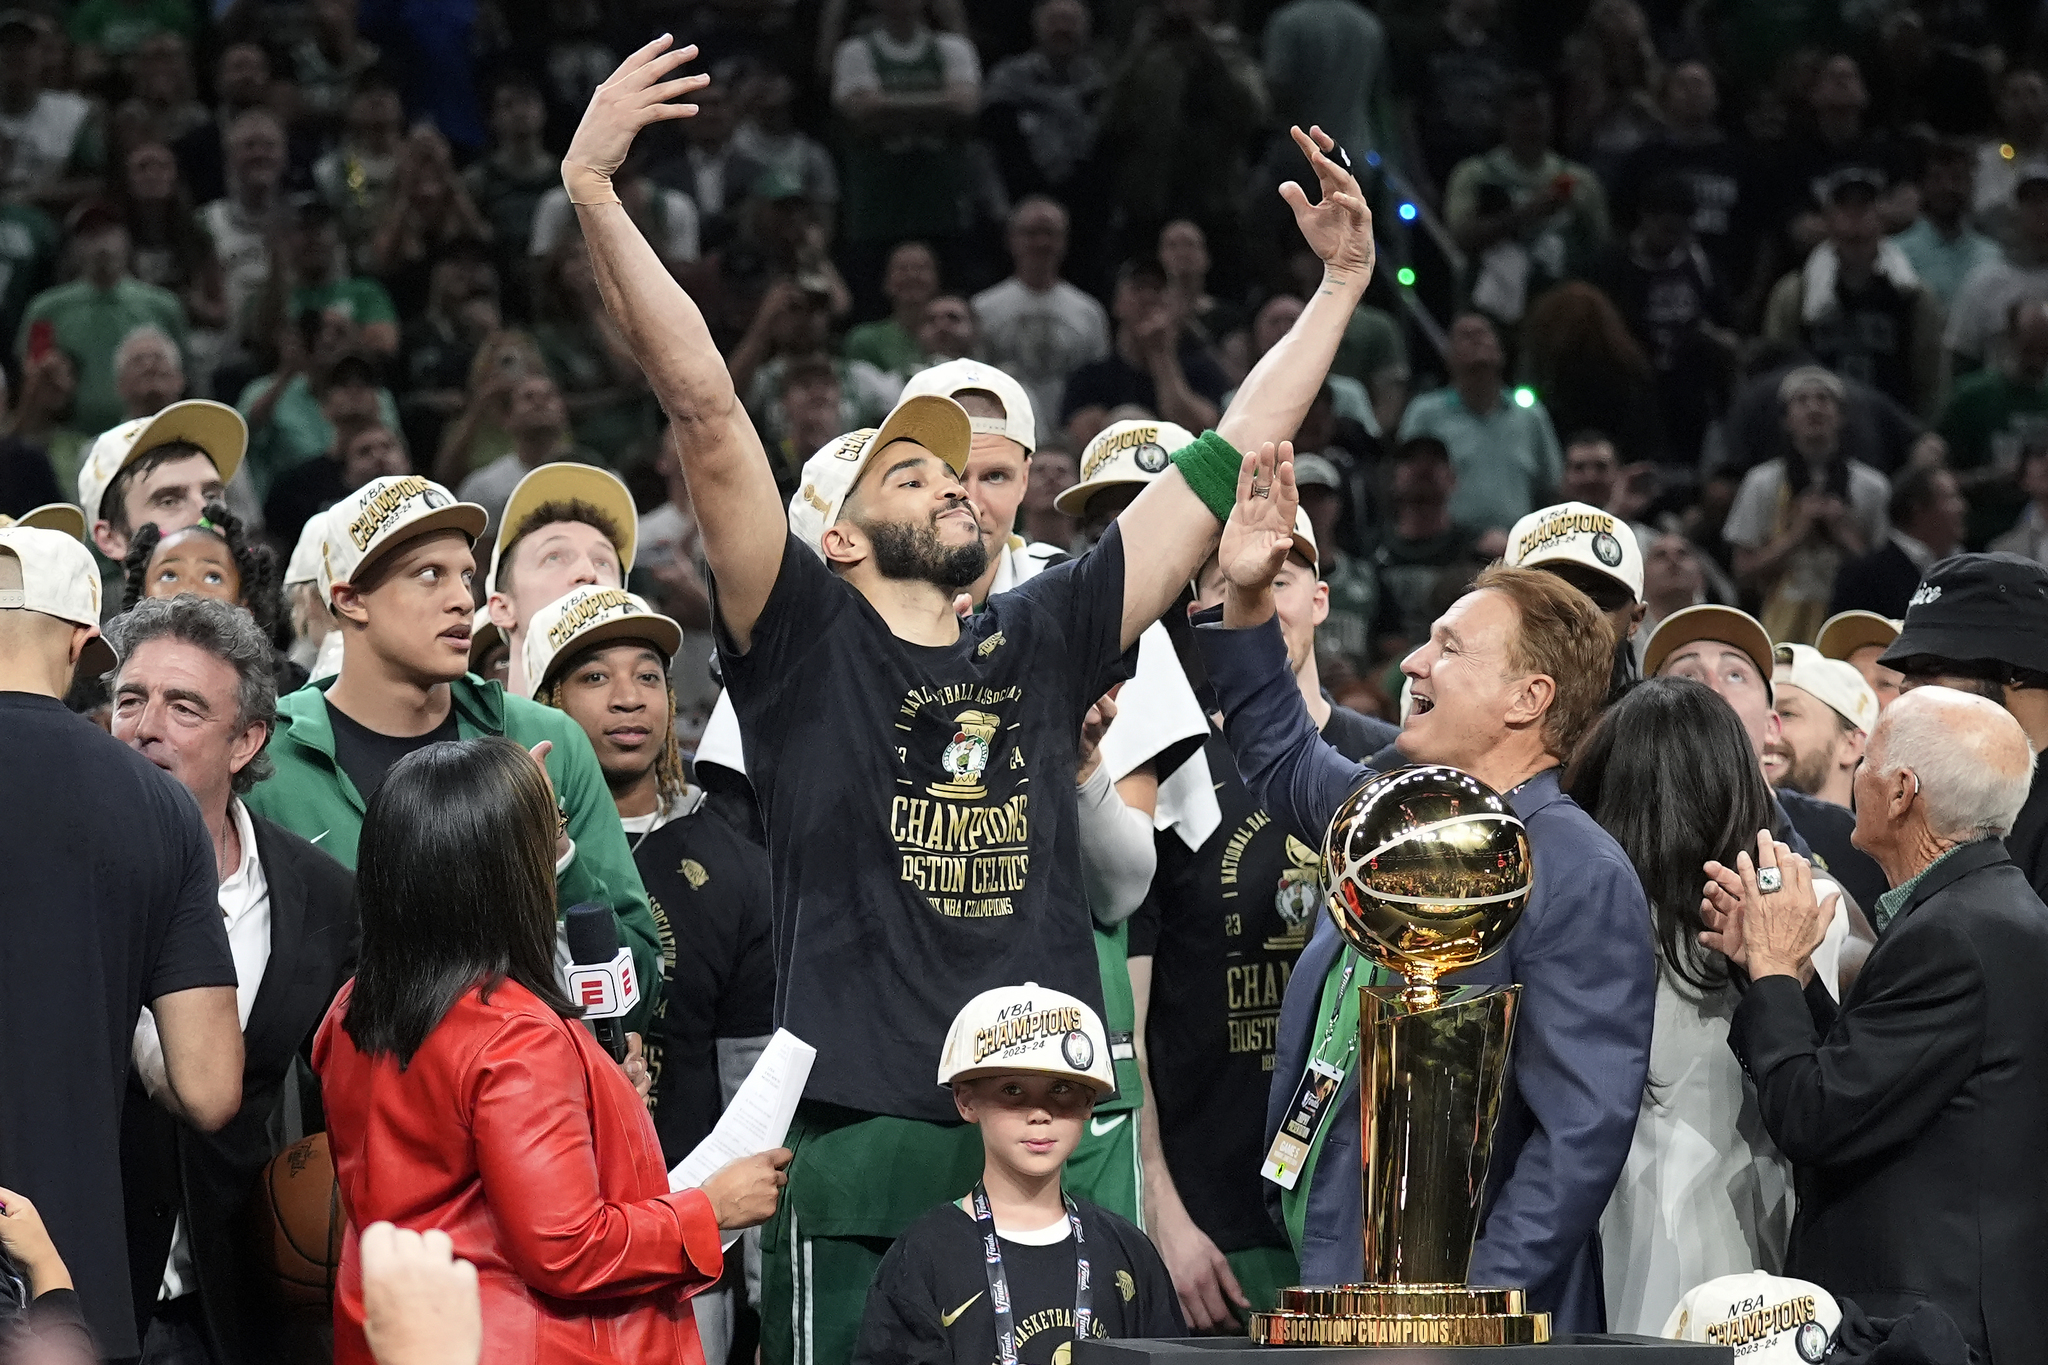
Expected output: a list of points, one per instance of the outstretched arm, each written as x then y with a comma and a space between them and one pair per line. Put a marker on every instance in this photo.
1168, 531
723, 462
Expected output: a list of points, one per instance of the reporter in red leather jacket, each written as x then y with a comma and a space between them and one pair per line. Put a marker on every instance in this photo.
464, 1094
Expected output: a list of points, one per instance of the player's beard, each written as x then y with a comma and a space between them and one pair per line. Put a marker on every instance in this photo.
1805, 773
912, 553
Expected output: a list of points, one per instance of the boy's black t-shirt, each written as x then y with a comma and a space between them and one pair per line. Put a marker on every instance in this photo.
366, 755
1223, 926
920, 812
929, 1305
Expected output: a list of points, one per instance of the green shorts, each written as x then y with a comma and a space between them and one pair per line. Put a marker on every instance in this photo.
1104, 1168
1262, 1272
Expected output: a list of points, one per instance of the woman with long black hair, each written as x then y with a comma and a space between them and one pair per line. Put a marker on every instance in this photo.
1670, 772
463, 1093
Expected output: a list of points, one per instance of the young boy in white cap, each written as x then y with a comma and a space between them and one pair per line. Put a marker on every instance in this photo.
1018, 1269
395, 570
1596, 552
565, 525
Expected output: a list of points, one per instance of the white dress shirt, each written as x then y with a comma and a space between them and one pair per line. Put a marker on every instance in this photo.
245, 905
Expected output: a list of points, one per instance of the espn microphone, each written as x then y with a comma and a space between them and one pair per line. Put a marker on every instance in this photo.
601, 974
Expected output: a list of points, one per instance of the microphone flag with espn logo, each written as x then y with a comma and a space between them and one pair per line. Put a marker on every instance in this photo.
600, 973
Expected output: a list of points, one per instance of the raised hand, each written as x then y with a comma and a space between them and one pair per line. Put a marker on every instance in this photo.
420, 1302
1339, 228
1260, 531
636, 95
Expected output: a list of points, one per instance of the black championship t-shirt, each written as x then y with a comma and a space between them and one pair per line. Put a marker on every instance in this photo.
1223, 926
366, 756
919, 806
928, 1304
111, 902
709, 891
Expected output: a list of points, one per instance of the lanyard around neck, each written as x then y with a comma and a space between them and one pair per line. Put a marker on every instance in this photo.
999, 1282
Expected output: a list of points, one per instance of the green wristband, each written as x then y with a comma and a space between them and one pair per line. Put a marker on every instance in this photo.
1211, 467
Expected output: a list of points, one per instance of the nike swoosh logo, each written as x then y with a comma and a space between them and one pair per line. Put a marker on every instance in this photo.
1098, 1127
321, 835
948, 1319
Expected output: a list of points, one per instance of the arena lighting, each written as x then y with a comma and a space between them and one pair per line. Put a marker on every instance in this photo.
1406, 277
1372, 158
2005, 150
1407, 213
1525, 397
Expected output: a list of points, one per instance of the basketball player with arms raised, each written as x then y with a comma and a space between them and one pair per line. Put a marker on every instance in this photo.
1509, 679
915, 771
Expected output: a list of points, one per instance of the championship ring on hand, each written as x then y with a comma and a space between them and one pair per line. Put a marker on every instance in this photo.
1769, 879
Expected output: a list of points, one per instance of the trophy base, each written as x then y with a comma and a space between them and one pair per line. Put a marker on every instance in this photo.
1400, 1315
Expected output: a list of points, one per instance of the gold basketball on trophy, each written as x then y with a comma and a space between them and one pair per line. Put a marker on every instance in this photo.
1428, 871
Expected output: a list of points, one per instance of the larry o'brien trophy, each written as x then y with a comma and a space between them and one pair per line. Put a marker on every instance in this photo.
1428, 871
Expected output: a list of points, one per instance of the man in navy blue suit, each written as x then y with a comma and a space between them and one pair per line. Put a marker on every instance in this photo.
1509, 679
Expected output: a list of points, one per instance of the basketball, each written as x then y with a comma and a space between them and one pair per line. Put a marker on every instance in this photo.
1428, 870
302, 1227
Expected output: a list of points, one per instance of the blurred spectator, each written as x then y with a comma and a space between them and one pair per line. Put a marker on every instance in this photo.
1184, 255
149, 374
1456, 85
1155, 364
709, 170
779, 237
1612, 75
1354, 588
1833, 147
1925, 83
89, 316
946, 331
577, 59
1673, 579
1034, 326
795, 323
479, 435
769, 141
907, 96
1374, 352
28, 253
1176, 124
806, 410
364, 449
1857, 307
43, 416
1578, 354
1326, 65
241, 82
1052, 473
1941, 245
890, 344
2018, 140
508, 183
310, 276
669, 544
322, 381
1926, 516
1665, 288
1726, 183
438, 347
433, 50
242, 225
1527, 217
1993, 415
160, 103
54, 147
1419, 544
1874, 430
428, 211
1595, 475
2029, 535
1976, 322
105, 32
327, 64
1041, 109
666, 217
1798, 519
611, 409
538, 423
1501, 446
355, 178
26, 479
169, 245
1350, 399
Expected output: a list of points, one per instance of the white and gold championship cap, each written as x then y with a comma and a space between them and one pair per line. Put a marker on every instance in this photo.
1125, 452
1305, 540
214, 427
1578, 533
58, 578
304, 566
938, 424
1832, 683
591, 615
1768, 1319
51, 516
956, 377
568, 481
1027, 1028
382, 515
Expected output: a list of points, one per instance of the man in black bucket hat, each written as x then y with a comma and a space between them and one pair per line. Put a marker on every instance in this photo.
1979, 623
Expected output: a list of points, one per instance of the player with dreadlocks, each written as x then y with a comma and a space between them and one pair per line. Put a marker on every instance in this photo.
214, 557
602, 655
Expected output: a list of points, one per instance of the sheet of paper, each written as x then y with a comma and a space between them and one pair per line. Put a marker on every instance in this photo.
758, 1118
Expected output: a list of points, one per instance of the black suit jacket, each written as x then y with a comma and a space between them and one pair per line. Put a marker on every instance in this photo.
168, 1169
1881, 581
1914, 1117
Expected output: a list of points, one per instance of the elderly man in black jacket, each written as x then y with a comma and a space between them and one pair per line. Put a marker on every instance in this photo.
1914, 1113
195, 694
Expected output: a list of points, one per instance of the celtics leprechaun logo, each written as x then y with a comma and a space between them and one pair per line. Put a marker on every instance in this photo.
966, 756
